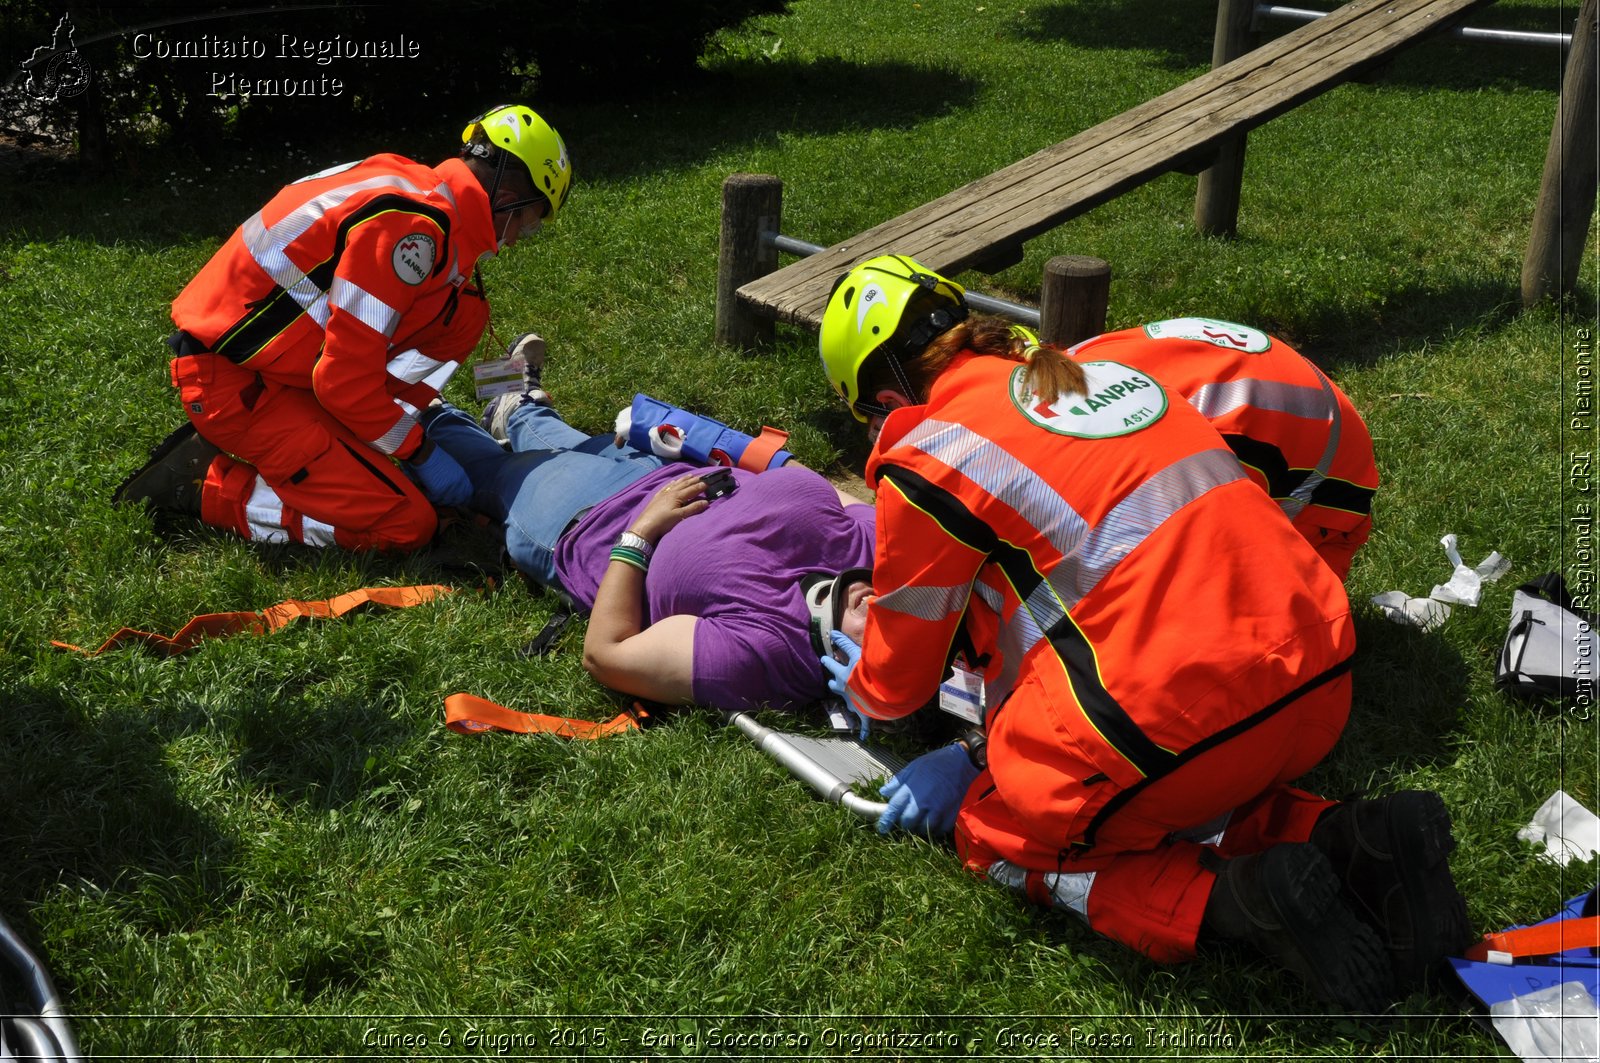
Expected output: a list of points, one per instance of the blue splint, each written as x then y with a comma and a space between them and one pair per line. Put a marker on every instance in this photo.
670, 432
1507, 965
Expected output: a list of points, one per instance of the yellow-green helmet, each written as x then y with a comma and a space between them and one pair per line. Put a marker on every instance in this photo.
521, 132
887, 307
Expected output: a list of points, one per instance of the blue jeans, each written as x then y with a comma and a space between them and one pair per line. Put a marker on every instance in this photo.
553, 473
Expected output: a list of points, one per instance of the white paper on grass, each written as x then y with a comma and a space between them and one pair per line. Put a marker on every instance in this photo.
1553, 1023
1464, 587
1568, 830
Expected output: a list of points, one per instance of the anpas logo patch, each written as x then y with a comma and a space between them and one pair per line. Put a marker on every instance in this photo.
413, 258
1118, 400
1209, 330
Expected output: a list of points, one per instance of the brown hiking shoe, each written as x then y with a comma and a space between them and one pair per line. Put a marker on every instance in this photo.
1285, 902
171, 479
1392, 859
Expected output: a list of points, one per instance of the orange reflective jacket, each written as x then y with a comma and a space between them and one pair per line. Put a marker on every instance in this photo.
1136, 594
354, 283
1297, 435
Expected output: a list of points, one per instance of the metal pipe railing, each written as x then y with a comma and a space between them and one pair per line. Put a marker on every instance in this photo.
989, 304
1469, 33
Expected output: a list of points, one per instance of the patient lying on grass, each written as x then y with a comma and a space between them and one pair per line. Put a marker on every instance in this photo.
692, 599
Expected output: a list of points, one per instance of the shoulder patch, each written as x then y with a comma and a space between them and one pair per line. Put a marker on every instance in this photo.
414, 256
1209, 330
1119, 400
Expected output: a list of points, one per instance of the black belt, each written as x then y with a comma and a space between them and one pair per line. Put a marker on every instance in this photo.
183, 344
573, 523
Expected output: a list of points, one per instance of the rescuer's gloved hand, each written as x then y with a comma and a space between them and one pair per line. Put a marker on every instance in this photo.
440, 476
839, 675
925, 795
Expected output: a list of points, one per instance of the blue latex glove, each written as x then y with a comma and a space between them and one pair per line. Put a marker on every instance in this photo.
442, 478
839, 675
925, 795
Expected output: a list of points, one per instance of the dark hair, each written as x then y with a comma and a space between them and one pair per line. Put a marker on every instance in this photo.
482, 157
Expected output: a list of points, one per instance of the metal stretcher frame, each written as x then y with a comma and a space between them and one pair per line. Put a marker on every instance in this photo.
830, 765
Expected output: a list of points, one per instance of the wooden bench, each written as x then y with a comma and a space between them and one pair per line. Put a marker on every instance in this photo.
988, 219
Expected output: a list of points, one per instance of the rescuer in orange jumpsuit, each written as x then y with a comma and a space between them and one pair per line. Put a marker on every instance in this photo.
1296, 433
1160, 654
307, 346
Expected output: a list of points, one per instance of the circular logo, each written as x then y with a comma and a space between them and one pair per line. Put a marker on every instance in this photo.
1116, 400
413, 257
1209, 330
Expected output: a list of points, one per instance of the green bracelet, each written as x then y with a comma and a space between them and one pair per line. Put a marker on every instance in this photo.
629, 556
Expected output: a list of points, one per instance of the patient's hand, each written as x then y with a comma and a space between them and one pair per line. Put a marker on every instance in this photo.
677, 501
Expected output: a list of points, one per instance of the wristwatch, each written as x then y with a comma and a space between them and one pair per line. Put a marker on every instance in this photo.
635, 541
977, 747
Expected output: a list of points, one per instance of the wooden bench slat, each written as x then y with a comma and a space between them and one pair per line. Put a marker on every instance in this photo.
1043, 190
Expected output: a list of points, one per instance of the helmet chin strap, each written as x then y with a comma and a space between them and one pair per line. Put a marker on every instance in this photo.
917, 338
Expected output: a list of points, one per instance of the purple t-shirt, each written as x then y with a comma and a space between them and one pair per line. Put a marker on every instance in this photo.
737, 567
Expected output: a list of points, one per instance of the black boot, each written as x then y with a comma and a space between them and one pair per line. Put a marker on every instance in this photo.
1392, 859
171, 479
1285, 902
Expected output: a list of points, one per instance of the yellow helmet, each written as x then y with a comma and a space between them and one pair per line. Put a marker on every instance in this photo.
521, 132
886, 307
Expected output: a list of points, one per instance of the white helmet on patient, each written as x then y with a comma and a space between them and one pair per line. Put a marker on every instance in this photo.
827, 597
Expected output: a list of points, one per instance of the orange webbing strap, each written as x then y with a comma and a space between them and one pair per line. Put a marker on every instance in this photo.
758, 454
470, 714
215, 625
1542, 939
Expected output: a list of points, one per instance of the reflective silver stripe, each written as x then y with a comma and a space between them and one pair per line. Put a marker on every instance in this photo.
373, 312
1300, 497
1140, 513
391, 440
995, 691
1214, 400
407, 407
315, 533
284, 273
1117, 535
414, 367
263, 513
1005, 478
1067, 889
267, 244
926, 603
294, 224
1318, 404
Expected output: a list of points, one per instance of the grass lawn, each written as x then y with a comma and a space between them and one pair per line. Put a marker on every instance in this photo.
272, 846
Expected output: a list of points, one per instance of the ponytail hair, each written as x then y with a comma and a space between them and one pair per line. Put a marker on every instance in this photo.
1050, 371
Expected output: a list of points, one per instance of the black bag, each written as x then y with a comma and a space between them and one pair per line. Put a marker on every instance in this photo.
1551, 649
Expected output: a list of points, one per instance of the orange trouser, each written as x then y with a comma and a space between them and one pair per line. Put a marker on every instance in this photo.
1138, 884
295, 474
1337, 548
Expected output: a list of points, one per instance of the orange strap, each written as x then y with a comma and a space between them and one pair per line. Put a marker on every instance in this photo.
470, 714
216, 625
1542, 939
758, 454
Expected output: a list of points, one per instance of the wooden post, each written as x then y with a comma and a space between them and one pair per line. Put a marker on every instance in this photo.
1567, 190
1216, 199
752, 204
1073, 299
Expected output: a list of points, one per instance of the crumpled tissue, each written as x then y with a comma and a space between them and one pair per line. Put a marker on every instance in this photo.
1568, 830
1554, 1023
1464, 587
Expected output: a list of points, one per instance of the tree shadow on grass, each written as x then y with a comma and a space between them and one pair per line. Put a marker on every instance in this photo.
1180, 35
324, 755
726, 109
1408, 689
90, 800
